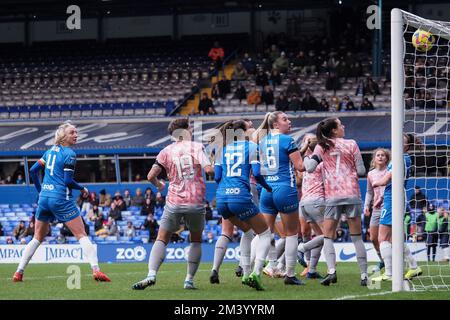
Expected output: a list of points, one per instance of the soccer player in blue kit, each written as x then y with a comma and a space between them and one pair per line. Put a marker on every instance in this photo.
56, 200
281, 156
232, 169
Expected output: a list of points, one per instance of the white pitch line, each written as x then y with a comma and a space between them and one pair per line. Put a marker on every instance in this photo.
383, 293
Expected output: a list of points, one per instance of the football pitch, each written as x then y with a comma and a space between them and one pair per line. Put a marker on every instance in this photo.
49, 282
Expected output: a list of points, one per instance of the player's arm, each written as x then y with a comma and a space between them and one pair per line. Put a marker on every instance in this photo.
70, 182
359, 162
34, 173
297, 160
383, 181
369, 197
217, 173
311, 163
153, 174
256, 169
209, 170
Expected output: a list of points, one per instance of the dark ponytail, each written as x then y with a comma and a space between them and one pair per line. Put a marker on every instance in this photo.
324, 132
413, 142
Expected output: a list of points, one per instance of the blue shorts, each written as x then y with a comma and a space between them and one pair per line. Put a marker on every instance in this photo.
386, 216
282, 199
50, 209
243, 211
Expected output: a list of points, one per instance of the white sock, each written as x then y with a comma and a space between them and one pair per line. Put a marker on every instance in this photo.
28, 253
245, 246
262, 248
194, 257
219, 251
409, 257
272, 255
281, 262
386, 253
279, 246
291, 254
91, 252
253, 250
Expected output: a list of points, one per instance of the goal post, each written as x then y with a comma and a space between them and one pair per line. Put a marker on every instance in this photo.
397, 120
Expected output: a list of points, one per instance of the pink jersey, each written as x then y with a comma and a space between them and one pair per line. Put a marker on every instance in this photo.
374, 176
184, 161
339, 172
312, 186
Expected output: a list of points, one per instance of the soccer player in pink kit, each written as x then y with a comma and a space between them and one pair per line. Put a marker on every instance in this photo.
374, 195
312, 207
184, 161
342, 164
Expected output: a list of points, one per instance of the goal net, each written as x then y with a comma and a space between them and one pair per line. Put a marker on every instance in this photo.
420, 102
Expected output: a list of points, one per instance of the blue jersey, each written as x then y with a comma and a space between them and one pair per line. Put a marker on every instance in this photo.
56, 160
277, 167
236, 161
388, 188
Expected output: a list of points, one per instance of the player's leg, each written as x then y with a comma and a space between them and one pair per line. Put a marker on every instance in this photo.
373, 230
290, 225
428, 245
245, 244
221, 248
317, 244
354, 222
270, 212
306, 236
170, 221
41, 230
384, 236
332, 215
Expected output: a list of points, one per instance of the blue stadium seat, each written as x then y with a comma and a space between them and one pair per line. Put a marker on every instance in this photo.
99, 239
137, 239
212, 222
111, 238
125, 238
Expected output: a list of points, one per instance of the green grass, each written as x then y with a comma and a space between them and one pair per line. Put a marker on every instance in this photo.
49, 281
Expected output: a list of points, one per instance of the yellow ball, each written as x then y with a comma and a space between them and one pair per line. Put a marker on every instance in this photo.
422, 40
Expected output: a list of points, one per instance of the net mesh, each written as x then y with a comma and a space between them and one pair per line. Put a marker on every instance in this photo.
427, 93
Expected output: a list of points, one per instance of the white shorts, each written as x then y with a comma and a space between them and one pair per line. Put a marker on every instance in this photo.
194, 217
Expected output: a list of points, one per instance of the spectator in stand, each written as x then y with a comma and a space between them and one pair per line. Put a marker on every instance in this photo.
367, 105
208, 212
300, 63
295, 103
20, 179
323, 106
341, 235
309, 103
93, 199
160, 201
346, 105
224, 87
274, 53
118, 200
8, 180
148, 193
409, 102
148, 207
104, 199
430, 103
418, 205
151, 225
137, 178
240, 93
9, 240
205, 105
332, 82
267, 96
254, 97
83, 201
372, 88
29, 231
209, 237
19, 230
115, 212
261, 79
95, 215
129, 230
281, 63
343, 70
127, 197
1, 230
113, 229
236, 237
334, 103
138, 200
239, 73
282, 103
275, 78
293, 88
249, 64
217, 54
215, 91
